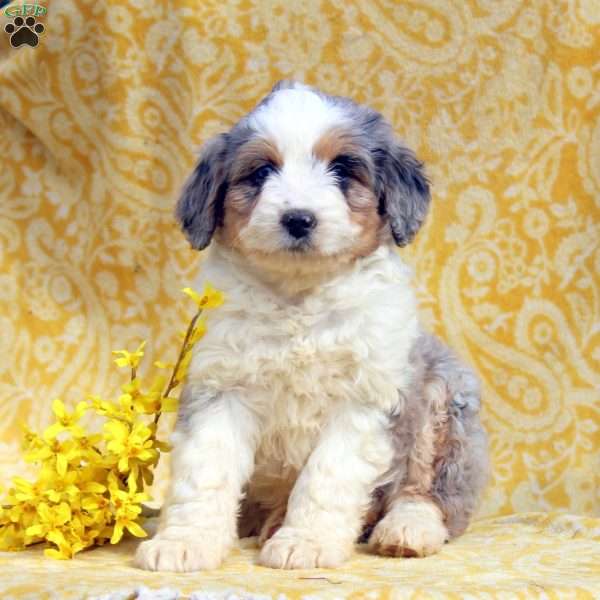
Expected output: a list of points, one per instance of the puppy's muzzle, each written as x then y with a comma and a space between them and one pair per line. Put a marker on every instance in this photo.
298, 223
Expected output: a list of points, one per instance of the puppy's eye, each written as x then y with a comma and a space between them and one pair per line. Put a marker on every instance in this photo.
344, 168
258, 176
339, 170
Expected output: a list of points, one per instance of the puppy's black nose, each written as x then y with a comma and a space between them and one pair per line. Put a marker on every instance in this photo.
298, 222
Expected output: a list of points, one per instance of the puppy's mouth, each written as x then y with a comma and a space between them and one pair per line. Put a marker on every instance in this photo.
301, 246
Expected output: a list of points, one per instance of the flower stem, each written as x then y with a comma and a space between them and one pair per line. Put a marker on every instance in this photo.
173, 382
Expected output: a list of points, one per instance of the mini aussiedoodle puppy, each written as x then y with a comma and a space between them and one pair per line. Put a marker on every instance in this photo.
316, 408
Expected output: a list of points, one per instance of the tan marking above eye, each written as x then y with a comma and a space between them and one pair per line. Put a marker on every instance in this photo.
338, 143
252, 155
333, 142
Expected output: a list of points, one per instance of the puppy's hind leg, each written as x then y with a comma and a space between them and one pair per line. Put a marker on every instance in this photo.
462, 460
413, 523
446, 457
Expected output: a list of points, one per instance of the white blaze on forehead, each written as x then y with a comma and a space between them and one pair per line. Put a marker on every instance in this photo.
295, 119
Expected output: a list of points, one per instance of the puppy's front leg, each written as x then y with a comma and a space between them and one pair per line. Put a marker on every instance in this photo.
331, 495
213, 456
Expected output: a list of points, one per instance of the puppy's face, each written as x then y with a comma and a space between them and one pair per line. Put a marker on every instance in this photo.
305, 179
300, 186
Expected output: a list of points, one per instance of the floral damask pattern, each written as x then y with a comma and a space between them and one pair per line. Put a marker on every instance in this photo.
99, 127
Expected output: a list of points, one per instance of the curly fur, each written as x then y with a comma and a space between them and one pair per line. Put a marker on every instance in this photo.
315, 409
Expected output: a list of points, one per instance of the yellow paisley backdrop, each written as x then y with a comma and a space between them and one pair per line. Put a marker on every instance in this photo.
98, 129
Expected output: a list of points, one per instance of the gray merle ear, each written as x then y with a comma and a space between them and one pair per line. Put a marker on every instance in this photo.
403, 190
200, 206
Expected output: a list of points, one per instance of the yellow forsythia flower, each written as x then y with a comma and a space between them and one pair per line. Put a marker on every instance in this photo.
31, 440
66, 421
55, 452
90, 486
127, 505
129, 359
104, 407
59, 486
146, 402
25, 491
210, 298
87, 447
51, 519
129, 444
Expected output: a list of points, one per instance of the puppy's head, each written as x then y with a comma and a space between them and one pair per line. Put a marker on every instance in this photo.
305, 179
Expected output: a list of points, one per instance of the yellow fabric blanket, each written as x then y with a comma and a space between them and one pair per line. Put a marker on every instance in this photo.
98, 126
525, 556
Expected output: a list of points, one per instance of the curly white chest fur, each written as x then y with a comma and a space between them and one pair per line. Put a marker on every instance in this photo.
297, 361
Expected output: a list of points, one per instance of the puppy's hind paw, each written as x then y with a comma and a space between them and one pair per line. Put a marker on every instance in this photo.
409, 529
159, 554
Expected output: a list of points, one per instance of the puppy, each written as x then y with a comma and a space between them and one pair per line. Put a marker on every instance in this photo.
315, 406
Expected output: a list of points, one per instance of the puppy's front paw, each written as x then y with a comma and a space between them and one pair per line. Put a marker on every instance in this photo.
409, 529
160, 554
290, 549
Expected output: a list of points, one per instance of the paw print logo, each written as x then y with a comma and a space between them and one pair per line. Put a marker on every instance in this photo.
24, 31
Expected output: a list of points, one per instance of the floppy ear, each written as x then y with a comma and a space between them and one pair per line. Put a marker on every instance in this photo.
200, 206
403, 191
